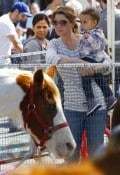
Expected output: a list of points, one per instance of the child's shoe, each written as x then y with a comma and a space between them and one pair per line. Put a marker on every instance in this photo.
110, 102
93, 105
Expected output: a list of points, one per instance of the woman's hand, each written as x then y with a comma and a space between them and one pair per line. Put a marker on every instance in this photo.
87, 71
90, 70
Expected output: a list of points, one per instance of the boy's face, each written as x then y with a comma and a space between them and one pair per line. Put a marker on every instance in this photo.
87, 23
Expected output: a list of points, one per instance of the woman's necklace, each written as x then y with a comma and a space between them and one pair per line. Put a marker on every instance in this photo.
44, 44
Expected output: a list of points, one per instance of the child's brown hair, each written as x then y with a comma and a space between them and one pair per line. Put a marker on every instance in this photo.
94, 14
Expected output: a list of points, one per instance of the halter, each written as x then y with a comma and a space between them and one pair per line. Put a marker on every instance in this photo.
48, 130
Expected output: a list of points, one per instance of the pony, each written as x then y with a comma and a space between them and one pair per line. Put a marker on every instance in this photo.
33, 101
106, 163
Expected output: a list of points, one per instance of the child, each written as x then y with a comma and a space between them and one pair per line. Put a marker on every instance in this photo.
92, 50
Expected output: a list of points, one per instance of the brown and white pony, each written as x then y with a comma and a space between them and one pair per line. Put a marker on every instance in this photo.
106, 163
34, 101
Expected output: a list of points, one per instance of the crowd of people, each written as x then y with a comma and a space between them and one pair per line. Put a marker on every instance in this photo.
69, 34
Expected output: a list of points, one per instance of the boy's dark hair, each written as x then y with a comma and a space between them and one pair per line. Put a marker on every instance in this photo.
94, 14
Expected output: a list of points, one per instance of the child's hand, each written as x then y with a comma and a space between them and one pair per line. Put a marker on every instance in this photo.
86, 35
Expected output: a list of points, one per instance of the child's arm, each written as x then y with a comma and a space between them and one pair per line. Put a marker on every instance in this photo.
86, 35
95, 40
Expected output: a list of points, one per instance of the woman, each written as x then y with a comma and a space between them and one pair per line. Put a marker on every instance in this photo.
38, 42
66, 49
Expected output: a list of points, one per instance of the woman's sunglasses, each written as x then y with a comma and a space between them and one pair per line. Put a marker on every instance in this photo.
62, 22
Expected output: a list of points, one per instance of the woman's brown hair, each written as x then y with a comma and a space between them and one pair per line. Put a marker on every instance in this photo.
69, 13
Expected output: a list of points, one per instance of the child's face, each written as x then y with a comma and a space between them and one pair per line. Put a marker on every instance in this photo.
87, 23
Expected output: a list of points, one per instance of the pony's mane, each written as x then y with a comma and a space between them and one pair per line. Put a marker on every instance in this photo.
24, 80
23, 77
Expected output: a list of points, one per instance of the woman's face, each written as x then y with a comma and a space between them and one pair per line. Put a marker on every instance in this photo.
41, 29
62, 25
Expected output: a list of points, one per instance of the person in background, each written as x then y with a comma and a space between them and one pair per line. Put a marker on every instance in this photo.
103, 26
9, 39
38, 42
93, 45
97, 6
77, 6
34, 9
117, 4
21, 33
21, 36
8, 36
66, 49
51, 5
29, 33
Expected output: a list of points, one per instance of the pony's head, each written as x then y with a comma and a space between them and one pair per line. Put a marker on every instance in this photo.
42, 113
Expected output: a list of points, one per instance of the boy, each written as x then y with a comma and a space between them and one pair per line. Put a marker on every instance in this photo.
93, 44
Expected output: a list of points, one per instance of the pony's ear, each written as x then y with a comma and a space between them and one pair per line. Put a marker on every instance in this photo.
38, 77
51, 71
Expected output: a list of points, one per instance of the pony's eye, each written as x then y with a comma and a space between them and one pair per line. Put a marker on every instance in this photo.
51, 107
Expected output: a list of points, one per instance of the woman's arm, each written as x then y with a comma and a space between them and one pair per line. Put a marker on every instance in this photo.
105, 68
52, 57
65, 60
